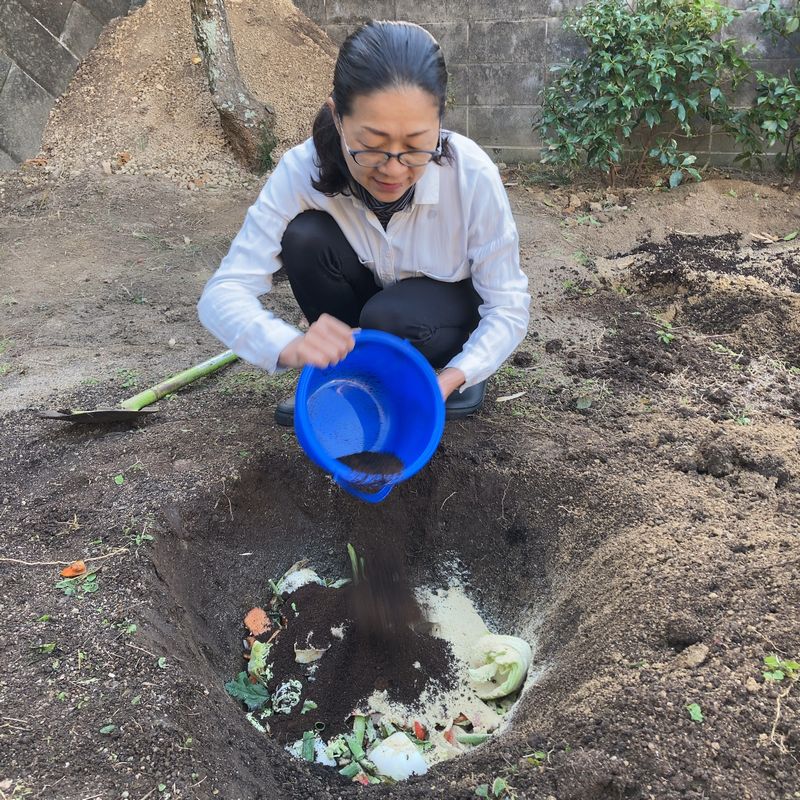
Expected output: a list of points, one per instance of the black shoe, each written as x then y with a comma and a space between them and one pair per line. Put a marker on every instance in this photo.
462, 404
284, 412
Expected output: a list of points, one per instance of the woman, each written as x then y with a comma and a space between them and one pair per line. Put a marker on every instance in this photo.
381, 220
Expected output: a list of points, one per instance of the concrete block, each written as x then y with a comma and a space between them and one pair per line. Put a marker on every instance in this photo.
499, 126
106, 10
313, 9
455, 119
514, 155
458, 84
24, 108
339, 11
492, 10
492, 42
340, 31
505, 84
7, 164
51, 13
34, 49
81, 31
421, 11
747, 30
562, 45
5, 66
453, 37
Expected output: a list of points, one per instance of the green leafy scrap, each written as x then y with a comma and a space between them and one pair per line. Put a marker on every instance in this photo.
253, 695
695, 712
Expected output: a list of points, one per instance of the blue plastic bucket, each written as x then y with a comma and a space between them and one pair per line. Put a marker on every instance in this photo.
382, 398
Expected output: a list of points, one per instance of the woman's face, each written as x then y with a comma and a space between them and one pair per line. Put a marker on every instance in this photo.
394, 120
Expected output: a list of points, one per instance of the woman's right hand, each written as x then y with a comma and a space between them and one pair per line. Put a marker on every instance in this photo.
327, 342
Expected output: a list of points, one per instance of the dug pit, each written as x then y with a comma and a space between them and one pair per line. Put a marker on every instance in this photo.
491, 548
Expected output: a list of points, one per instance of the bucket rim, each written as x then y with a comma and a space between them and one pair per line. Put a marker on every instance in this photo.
341, 473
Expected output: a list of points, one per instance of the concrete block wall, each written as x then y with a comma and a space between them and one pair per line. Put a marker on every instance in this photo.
41, 44
499, 54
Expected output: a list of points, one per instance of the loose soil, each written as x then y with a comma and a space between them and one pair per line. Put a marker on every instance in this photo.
635, 512
353, 667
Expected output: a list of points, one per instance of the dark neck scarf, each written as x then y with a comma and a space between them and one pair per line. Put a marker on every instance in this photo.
383, 211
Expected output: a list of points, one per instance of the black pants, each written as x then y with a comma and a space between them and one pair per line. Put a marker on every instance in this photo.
327, 278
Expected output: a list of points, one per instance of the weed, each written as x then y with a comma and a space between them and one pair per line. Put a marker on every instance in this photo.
128, 378
499, 788
583, 259
665, 333
575, 288
266, 144
90, 381
80, 586
135, 536
587, 219
732, 193
740, 416
5, 345
779, 669
538, 758
5, 369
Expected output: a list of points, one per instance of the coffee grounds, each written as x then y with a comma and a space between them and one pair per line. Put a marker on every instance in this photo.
378, 466
352, 667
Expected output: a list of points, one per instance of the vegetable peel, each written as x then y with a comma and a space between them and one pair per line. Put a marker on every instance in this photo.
502, 663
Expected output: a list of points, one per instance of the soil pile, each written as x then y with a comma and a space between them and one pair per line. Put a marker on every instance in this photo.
140, 103
354, 665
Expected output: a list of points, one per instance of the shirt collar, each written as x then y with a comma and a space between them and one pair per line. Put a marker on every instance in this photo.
427, 191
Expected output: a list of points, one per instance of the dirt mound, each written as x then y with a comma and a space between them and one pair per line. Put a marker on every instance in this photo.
140, 93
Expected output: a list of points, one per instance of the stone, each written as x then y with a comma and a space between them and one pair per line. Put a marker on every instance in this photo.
106, 10
752, 685
24, 108
51, 13
692, 657
81, 31
34, 49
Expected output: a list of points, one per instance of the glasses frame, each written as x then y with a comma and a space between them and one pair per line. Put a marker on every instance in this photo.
389, 156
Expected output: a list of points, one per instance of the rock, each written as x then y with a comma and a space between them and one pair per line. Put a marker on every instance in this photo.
574, 201
595, 206
693, 656
106, 165
752, 685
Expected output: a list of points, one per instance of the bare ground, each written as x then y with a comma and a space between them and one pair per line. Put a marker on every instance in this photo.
636, 509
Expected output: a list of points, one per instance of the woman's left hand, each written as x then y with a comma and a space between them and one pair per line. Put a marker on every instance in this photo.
449, 380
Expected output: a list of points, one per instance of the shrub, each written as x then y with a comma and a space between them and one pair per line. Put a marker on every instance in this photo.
774, 117
653, 68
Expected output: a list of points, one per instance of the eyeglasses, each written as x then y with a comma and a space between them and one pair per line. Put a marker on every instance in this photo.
377, 158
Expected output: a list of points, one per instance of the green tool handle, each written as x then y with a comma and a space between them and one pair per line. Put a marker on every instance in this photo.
149, 396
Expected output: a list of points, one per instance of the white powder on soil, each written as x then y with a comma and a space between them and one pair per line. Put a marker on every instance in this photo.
454, 619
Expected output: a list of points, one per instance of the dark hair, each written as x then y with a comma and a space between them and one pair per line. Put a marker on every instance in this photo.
379, 55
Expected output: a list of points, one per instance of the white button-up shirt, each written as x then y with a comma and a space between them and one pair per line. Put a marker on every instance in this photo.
458, 226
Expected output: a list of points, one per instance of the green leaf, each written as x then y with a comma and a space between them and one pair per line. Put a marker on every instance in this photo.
792, 25
499, 786
482, 790
675, 178
695, 712
715, 93
790, 236
307, 751
162, 662
257, 663
583, 402
119, 479
308, 705
253, 695
108, 729
776, 675
772, 661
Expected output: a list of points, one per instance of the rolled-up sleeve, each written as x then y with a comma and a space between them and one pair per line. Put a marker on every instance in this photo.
229, 306
493, 250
